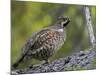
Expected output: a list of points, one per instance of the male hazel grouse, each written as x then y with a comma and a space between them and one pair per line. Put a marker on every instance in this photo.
44, 43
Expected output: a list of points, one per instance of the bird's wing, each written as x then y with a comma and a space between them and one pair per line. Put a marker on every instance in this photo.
29, 43
33, 42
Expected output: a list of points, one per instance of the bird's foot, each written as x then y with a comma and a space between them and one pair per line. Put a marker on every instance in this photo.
30, 66
34, 66
45, 63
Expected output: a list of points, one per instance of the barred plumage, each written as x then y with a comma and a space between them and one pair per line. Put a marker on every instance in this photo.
43, 44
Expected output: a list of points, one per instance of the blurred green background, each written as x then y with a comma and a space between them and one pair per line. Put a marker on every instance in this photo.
28, 17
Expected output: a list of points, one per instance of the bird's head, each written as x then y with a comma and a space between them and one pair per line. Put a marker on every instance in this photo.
63, 21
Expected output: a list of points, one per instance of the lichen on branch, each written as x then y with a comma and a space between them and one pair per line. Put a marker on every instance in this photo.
83, 60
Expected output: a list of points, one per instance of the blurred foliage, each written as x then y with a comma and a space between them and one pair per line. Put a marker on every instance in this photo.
28, 17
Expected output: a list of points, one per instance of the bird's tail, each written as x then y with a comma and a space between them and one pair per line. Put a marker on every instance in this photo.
15, 65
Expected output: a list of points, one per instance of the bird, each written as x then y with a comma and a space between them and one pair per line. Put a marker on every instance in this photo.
44, 43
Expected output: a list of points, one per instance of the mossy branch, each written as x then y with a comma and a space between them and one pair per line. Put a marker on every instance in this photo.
83, 60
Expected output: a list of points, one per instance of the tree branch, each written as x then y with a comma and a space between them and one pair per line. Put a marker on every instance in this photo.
83, 60
89, 25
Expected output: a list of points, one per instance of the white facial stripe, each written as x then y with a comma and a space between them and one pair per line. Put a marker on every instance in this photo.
64, 22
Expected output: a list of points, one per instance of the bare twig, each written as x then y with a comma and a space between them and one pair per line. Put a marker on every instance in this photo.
89, 26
